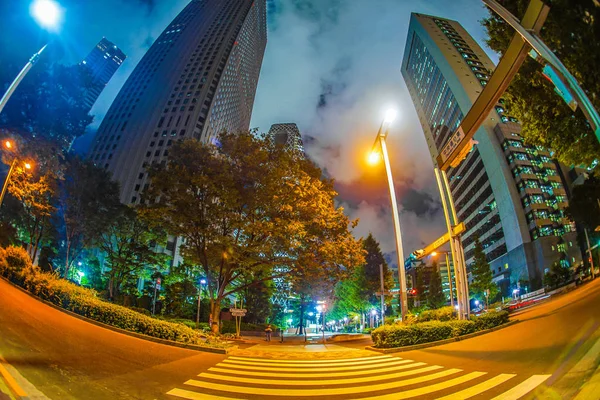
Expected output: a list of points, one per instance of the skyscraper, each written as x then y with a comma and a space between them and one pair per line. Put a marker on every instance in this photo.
197, 79
289, 136
508, 194
102, 63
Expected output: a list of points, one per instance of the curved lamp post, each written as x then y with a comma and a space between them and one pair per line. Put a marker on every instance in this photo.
380, 149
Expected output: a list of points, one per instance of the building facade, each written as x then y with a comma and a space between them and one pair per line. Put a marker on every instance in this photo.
102, 63
509, 194
197, 79
288, 135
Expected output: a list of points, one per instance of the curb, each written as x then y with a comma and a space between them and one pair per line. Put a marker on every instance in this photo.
439, 342
124, 331
12, 384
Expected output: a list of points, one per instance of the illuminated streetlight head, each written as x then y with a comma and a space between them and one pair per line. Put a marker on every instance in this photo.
47, 13
434, 253
373, 311
27, 165
203, 281
8, 144
390, 116
374, 157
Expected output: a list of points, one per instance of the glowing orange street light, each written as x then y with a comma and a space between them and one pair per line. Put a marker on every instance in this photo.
434, 253
374, 157
8, 144
27, 165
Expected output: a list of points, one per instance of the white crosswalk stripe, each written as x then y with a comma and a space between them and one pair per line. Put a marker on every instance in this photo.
373, 378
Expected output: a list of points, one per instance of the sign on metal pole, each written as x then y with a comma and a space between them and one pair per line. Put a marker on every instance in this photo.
238, 312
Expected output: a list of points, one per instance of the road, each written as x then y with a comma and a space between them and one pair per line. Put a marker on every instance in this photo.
548, 354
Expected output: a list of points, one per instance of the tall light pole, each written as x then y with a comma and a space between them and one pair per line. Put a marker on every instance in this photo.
373, 158
382, 291
9, 145
202, 283
48, 14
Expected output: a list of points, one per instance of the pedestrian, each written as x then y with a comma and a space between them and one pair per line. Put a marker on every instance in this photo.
268, 331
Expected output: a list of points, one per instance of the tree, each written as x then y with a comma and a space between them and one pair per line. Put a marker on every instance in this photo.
373, 260
246, 208
572, 32
129, 245
257, 300
482, 275
583, 206
435, 296
557, 276
88, 202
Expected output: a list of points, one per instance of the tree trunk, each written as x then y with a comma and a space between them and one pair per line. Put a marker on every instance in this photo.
301, 324
67, 259
215, 312
36, 246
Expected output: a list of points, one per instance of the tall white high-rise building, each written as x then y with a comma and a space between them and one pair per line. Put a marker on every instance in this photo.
509, 194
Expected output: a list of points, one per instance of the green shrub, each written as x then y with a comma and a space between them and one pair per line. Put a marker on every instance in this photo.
461, 327
490, 319
399, 335
140, 310
440, 314
85, 302
16, 258
406, 335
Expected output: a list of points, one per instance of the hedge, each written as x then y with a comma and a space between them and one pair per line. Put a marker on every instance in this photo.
440, 314
400, 335
16, 266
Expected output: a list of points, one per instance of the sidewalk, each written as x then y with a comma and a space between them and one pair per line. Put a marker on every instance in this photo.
294, 347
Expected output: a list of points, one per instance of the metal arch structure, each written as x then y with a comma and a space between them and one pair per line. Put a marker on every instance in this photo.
461, 142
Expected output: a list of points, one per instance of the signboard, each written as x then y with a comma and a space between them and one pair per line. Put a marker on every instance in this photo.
238, 312
451, 145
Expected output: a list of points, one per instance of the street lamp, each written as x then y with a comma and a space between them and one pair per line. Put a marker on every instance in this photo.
47, 14
202, 282
9, 145
374, 157
434, 254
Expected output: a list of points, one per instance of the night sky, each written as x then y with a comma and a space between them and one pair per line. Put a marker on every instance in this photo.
331, 66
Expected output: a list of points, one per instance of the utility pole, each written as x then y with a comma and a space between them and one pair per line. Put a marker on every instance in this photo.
449, 280
589, 250
382, 293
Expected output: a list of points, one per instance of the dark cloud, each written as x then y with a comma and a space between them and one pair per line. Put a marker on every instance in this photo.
332, 67
421, 203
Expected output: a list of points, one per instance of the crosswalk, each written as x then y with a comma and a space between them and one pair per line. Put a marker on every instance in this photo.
369, 378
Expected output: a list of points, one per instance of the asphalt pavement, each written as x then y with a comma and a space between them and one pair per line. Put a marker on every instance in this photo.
549, 354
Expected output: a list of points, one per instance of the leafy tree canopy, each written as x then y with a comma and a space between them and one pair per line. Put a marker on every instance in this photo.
246, 207
571, 32
482, 275
583, 206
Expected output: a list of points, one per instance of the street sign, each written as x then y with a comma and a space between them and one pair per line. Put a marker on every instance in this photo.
445, 238
238, 312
